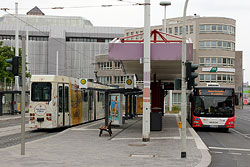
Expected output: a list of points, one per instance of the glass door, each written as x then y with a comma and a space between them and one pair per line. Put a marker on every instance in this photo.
63, 104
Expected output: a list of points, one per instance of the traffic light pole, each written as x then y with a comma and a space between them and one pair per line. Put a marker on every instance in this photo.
184, 87
23, 97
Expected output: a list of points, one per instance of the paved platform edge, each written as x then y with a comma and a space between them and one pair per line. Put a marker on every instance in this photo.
205, 155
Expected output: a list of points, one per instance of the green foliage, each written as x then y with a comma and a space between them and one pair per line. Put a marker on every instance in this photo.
175, 109
7, 52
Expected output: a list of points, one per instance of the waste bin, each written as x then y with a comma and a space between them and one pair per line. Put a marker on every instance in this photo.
156, 121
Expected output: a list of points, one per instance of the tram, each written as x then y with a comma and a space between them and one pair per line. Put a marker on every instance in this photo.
58, 101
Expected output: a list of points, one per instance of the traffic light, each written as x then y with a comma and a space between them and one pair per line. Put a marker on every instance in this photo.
15, 65
191, 74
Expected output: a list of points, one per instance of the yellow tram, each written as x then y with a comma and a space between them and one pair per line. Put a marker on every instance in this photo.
57, 101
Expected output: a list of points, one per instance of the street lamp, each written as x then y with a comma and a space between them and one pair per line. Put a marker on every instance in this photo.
165, 4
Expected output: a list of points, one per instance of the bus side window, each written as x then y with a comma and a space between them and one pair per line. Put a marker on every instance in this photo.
236, 99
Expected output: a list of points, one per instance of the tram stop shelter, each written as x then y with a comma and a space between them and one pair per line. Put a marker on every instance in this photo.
165, 55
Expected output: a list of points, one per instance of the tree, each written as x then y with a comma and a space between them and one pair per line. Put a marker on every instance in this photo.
7, 52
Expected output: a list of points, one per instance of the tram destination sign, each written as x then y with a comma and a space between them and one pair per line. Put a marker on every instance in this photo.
215, 92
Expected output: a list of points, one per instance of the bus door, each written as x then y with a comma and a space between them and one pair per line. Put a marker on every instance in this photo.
63, 105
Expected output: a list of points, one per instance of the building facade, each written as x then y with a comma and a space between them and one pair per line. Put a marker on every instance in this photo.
71, 41
213, 41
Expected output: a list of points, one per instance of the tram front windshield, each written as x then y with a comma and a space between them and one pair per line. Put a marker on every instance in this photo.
41, 91
214, 106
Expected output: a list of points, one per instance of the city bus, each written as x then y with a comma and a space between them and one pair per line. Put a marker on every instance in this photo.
212, 107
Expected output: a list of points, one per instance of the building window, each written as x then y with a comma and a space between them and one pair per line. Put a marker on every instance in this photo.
38, 38
207, 77
202, 28
207, 28
213, 60
7, 37
191, 29
105, 79
217, 78
180, 30
202, 61
117, 65
105, 65
226, 45
176, 30
214, 44
213, 78
219, 60
219, 44
219, 28
170, 30
202, 45
201, 77
207, 63
176, 98
215, 28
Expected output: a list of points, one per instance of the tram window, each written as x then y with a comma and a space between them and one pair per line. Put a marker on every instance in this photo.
98, 96
66, 99
85, 96
41, 91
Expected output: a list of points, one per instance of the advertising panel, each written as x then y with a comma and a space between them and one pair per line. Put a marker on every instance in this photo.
139, 105
115, 113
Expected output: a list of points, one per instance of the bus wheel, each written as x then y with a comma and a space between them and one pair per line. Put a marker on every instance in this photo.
225, 129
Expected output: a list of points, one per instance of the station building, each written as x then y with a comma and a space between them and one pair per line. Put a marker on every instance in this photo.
74, 39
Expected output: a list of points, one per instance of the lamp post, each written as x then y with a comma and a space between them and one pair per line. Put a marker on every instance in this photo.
146, 75
165, 4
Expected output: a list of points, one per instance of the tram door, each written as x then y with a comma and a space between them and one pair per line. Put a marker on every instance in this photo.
91, 105
63, 104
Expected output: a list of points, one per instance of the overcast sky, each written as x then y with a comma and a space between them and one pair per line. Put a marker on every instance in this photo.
133, 16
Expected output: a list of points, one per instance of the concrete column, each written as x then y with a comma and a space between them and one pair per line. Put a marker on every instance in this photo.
170, 100
106, 108
1, 104
126, 106
130, 106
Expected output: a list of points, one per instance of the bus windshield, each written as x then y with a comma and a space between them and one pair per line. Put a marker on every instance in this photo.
41, 91
214, 106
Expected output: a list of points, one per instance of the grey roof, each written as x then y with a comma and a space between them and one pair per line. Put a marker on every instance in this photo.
35, 11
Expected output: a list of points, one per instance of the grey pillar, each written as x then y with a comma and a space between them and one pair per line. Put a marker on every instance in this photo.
134, 105
130, 106
1, 104
126, 106
12, 104
106, 108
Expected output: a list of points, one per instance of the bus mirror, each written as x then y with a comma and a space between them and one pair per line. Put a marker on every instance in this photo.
236, 100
